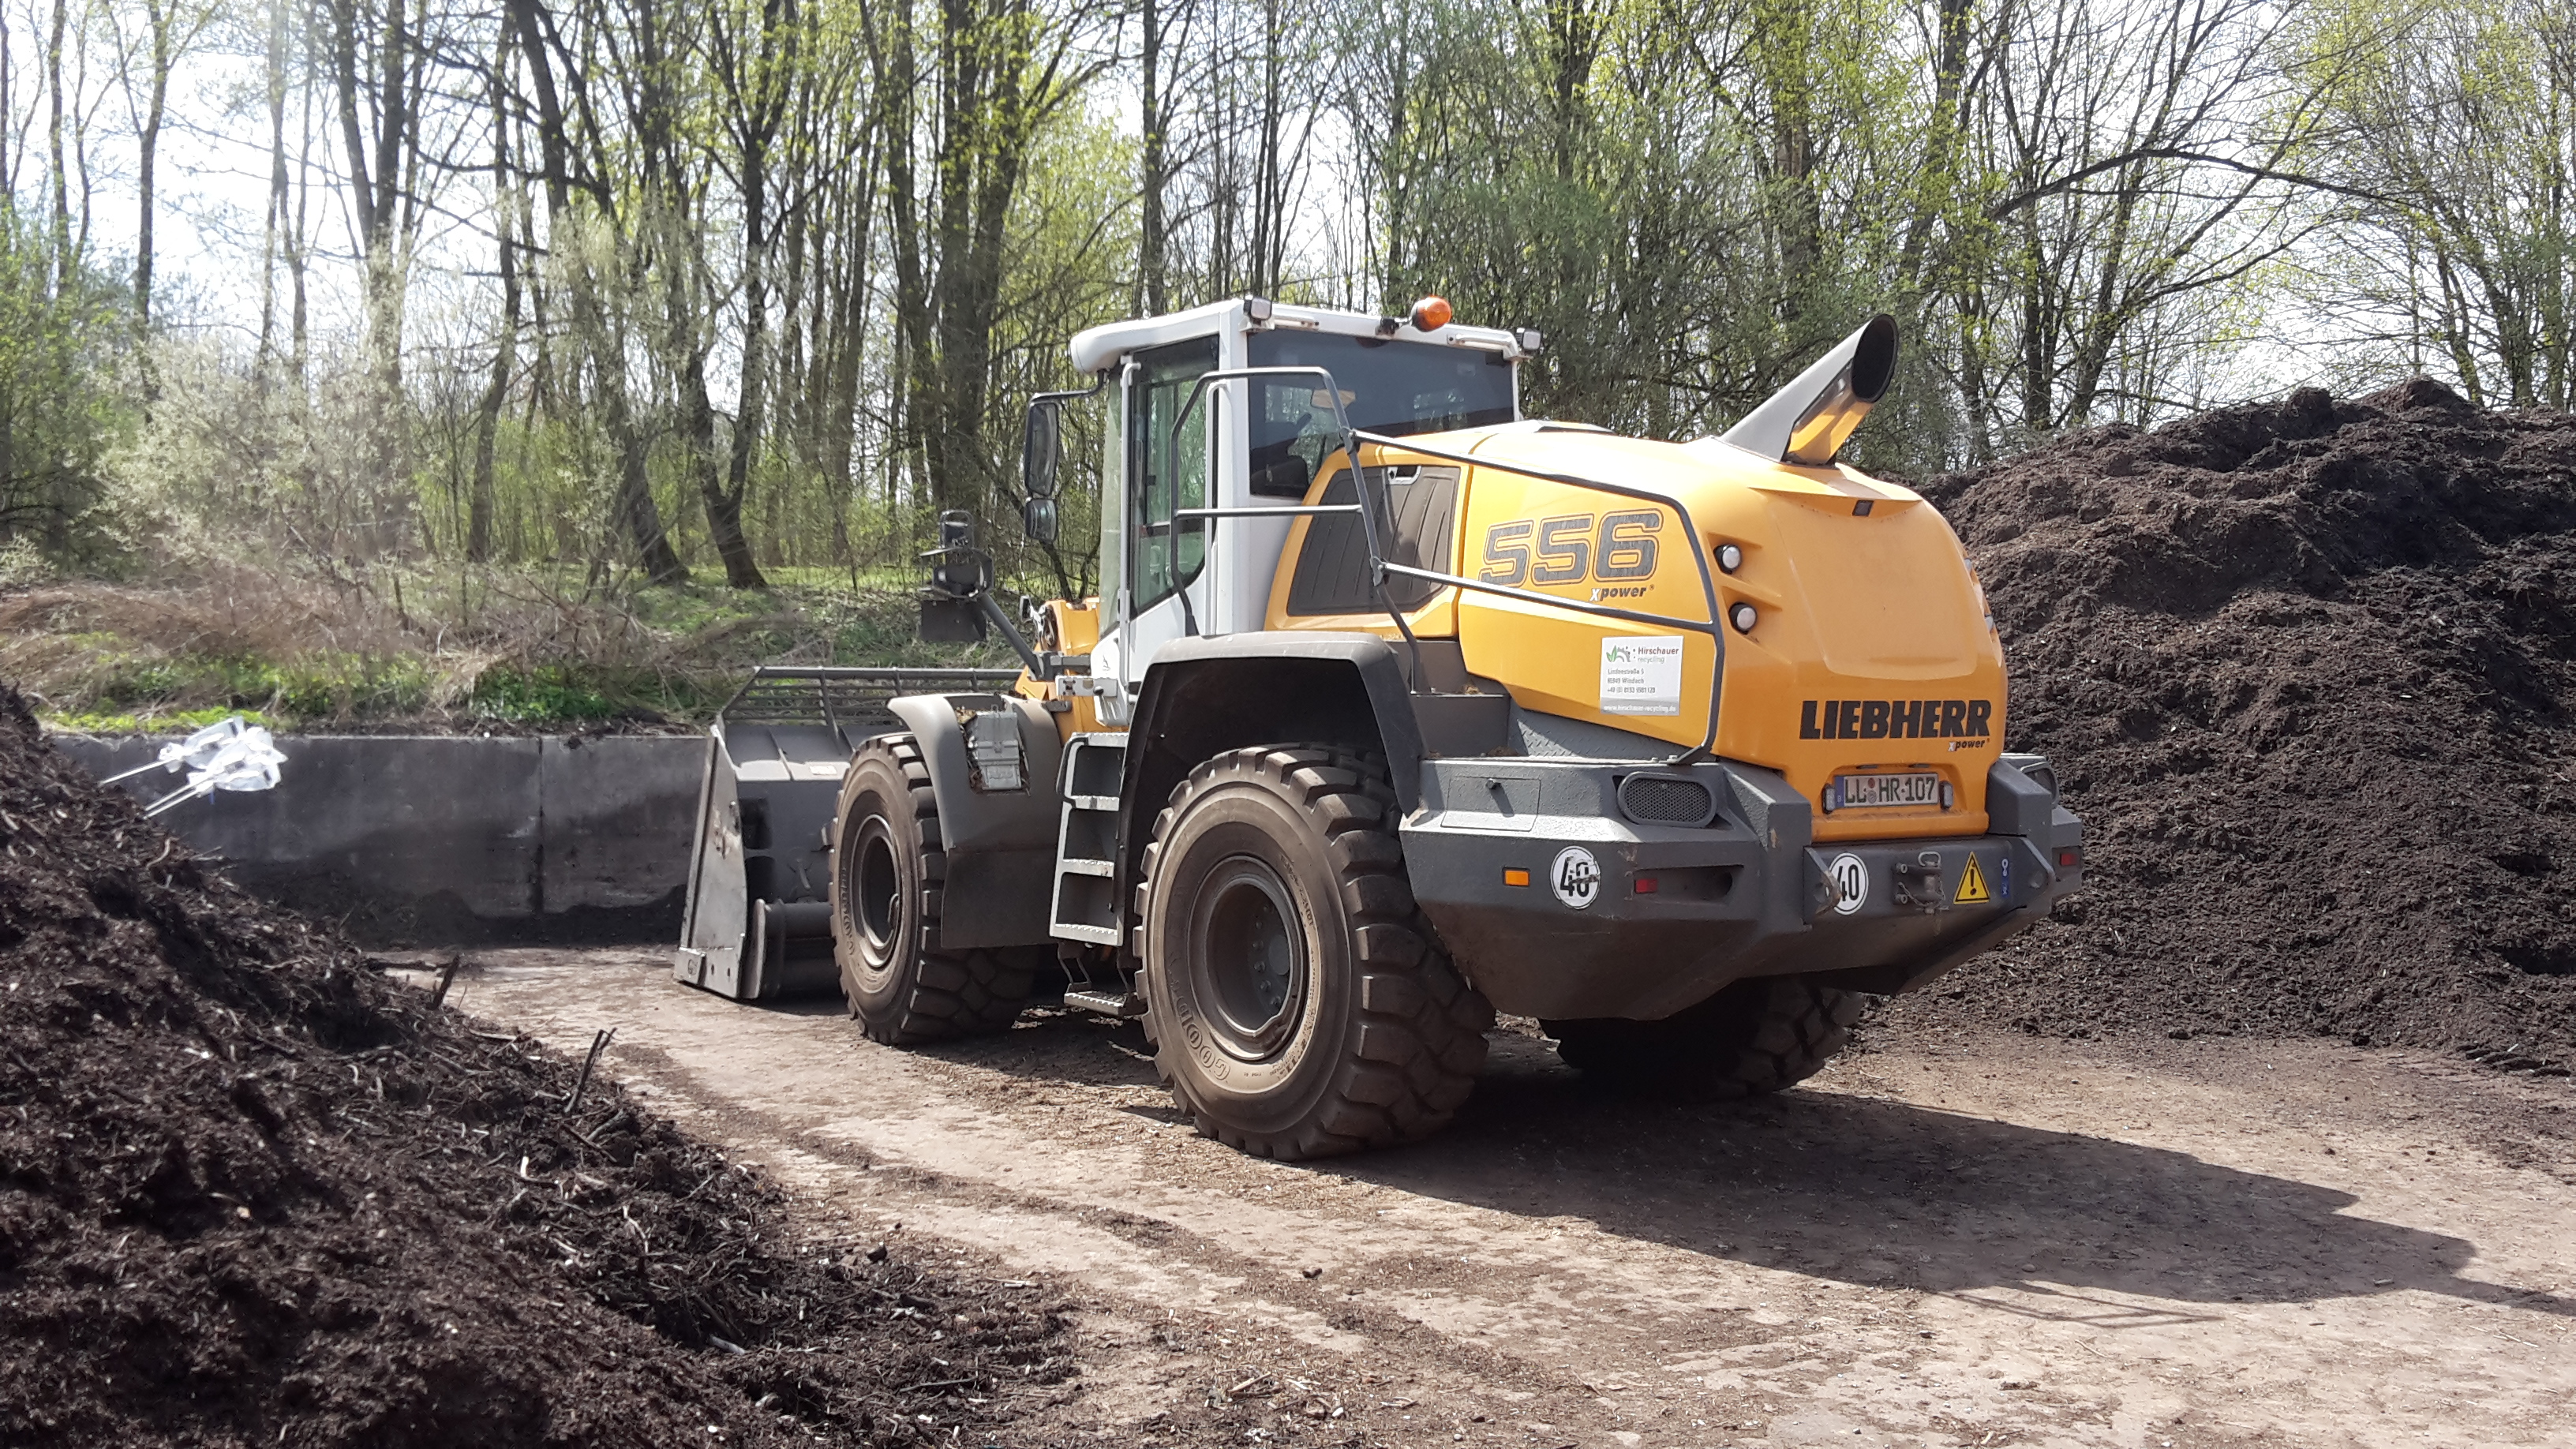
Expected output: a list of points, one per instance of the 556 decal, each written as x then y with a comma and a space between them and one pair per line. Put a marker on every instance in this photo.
1573, 547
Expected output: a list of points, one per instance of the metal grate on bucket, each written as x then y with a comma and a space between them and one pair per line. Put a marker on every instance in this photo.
845, 696
1664, 800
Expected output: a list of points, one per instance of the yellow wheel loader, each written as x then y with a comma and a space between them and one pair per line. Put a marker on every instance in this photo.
1400, 709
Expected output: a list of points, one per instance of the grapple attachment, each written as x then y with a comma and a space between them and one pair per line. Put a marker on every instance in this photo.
758, 922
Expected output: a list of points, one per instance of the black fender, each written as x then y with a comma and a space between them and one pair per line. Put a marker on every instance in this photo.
1000, 844
1202, 697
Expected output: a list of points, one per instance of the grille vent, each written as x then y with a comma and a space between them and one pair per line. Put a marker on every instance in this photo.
1666, 800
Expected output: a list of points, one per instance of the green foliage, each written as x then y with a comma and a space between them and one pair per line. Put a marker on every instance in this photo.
543, 696
808, 263
65, 336
2460, 118
152, 722
309, 687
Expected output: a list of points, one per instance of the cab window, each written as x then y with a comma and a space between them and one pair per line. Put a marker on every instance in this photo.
1166, 474
1390, 387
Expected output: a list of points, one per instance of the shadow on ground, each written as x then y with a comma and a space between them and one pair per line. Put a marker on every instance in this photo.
1863, 1191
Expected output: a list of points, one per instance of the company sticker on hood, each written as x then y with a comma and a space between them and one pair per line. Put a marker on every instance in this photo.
1641, 675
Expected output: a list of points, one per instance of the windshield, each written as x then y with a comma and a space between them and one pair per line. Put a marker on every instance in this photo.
1396, 388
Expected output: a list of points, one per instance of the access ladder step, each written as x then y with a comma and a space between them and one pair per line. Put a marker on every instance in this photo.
1107, 1003
1084, 905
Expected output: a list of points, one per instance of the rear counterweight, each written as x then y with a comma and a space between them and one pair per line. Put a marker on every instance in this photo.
1559, 903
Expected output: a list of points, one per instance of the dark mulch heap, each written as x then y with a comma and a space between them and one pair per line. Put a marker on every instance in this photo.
2305, 669
252, 1194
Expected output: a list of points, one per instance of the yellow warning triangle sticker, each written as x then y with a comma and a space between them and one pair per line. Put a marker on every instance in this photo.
1972, 885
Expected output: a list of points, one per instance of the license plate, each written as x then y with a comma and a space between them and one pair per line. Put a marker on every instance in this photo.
1852, 792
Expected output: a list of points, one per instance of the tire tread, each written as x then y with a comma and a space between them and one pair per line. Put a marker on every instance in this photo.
950, 994
1755, 1037
1420, 1038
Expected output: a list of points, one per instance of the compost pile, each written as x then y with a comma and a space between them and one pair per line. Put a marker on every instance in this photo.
253, 1194
2307, 670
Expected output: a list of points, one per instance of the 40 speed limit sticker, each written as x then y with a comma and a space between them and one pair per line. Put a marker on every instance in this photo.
1576, 878
1850, 875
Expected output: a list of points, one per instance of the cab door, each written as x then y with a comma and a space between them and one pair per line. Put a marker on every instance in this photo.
1164, 593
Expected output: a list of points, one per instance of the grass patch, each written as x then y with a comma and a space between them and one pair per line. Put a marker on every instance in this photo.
528, 648
175, 722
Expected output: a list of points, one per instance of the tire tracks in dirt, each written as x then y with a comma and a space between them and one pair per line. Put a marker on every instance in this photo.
1961, 1239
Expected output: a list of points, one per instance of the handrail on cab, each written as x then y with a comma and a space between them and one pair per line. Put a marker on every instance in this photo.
1380, 567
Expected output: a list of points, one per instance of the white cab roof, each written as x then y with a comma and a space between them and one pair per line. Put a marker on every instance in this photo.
1097, 348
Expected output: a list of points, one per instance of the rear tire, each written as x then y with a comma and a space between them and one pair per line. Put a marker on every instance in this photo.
1756, 1036
1299, 1004
887, 868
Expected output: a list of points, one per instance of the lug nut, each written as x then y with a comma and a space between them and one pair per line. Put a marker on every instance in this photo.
1745, 617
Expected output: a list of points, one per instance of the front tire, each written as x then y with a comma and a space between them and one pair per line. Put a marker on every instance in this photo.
1299, 1004
887, 869
1761, 1035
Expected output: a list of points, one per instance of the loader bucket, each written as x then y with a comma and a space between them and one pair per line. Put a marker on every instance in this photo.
758, 922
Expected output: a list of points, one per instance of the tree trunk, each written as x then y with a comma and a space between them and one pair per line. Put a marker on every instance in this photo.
1270, 202
632, 507
840, 419
379, 197
8, 113
63, 266
487, 414
507, 200
1150, 260
1784, 40
724, 501
147, 148
299, 334
756, 97
916, 406
274, 222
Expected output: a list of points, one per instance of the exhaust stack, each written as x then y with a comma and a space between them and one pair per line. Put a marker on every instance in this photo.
1808, 421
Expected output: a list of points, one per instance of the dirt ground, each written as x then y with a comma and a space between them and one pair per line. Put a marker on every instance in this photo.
1954, 1237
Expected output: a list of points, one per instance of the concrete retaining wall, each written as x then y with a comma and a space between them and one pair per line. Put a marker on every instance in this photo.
432, 839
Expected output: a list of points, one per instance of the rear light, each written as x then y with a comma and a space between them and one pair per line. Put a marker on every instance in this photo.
1645, 885
1744, 617
1729, 557
2070, 856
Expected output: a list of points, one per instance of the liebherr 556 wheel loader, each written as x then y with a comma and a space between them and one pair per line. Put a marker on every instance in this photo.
1680, 748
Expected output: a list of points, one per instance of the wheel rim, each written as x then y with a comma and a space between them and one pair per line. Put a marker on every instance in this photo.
875, 886
1249, 958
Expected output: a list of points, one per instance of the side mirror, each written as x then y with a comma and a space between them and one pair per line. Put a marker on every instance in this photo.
1041, 452
951, 621
1037, 516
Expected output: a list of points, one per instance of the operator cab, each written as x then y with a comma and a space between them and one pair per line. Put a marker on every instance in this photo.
1251, 444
